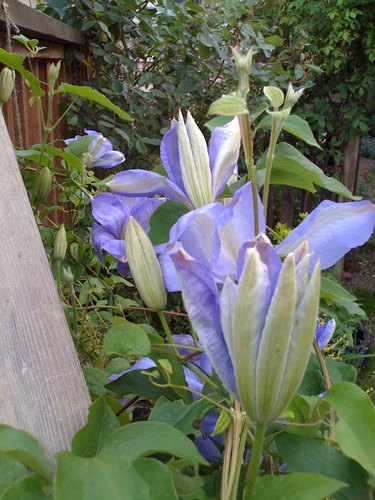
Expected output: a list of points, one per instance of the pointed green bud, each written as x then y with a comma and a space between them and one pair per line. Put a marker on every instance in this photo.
53, 74
144, 266
194, 161
60, 244
68, 275
243, 66
43, 183
292, 96
275, 96
7, 80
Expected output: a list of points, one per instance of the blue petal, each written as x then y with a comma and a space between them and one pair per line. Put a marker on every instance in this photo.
236, 227
324, 333
100, 236
331, 230
142, 364
111, 211
223, 151
201, 302
170, 155
108, 160
143, 183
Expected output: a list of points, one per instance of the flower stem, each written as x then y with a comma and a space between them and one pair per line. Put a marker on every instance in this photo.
58, 280
167, 331
270, 156
328, 384
254, 461
247, 144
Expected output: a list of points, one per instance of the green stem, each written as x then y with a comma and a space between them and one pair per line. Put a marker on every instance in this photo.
328, 384
247, 144
253, 469
167, 331
238, 460
269, 161
58, 280
201, 375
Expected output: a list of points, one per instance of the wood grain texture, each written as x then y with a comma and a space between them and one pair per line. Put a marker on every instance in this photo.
42, 389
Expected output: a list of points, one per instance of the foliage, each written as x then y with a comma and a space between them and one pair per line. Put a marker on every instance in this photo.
155, 58
155, 394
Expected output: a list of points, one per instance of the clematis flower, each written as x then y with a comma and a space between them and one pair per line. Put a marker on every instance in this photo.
197, 175
214, 234
257, 331
112, 212
324, 333
100, 151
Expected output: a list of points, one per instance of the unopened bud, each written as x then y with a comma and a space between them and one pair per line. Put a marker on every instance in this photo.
60, 244
53, 73
275, 96
144, 266
43, 183
292, 96
243, 66
7, 80
68, 275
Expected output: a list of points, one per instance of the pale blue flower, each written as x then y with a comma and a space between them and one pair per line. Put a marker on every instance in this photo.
197, 174
100, 151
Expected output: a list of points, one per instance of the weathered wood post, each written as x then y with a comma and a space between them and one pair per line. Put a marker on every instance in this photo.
42, 389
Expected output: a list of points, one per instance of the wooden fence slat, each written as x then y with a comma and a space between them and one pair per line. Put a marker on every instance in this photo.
42, 389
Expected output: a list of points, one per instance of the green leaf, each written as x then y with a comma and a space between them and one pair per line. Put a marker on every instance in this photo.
96, 380
23, 447
92, 95
178, 414
127, 340
28, 488
313, 455
163, 219
79, 146
313, 383
296, 486
113, 477
15, 61
293, 168
333, 292
355, 429
294, 125
10, 471
274, 40
101, 422
229, 105
218, 121
146, 438
71, 159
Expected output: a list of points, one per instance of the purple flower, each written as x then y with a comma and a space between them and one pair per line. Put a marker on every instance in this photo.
99, 152
238, 324
214, 234
113, 212
196, 174
324, 333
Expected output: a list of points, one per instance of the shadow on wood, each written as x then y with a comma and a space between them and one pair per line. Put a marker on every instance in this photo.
42, 389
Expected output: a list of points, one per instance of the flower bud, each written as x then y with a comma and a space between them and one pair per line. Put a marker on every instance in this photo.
275, 96
243, 66
7, 80
60, 244
144, 266
68, 275
53, 74
292, 96
194, 162
43, 183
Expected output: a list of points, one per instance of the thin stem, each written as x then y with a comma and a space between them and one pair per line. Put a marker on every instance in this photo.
328, 384
167, 331
247, 144
201, 375
58, 280
269, 161
253, 469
